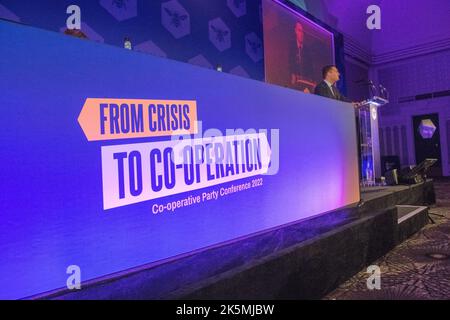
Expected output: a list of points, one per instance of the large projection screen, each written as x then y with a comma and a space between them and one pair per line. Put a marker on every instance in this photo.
295, 48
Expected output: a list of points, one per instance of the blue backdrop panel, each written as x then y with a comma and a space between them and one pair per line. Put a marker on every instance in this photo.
51, 193
205, 32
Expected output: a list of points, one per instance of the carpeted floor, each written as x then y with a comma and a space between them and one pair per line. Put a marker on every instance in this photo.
419, 268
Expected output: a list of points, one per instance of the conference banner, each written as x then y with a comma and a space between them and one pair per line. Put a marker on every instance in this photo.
112, 159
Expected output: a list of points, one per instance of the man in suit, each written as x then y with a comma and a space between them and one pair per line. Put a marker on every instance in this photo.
300, 66
327, 87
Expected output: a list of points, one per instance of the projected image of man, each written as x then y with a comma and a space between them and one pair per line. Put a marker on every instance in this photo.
301, 62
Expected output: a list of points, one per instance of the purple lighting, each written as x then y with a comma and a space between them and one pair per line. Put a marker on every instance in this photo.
52, 177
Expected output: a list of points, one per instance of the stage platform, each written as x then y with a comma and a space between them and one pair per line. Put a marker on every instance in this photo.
303, 260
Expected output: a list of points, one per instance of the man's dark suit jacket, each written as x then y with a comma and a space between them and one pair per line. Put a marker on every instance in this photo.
300, 62
322, 89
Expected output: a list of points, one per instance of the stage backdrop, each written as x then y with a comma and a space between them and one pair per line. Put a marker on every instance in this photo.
199, 32
86, 171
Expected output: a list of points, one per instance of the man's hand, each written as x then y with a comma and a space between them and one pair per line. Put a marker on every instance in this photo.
356, 105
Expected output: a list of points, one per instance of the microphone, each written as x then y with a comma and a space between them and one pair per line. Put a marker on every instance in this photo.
381, 90
369, 83
384, 93
372, 88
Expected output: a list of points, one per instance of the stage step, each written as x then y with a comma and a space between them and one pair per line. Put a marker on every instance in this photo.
410, 220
